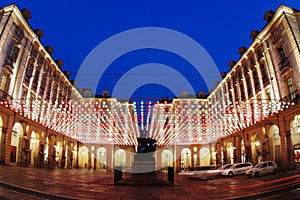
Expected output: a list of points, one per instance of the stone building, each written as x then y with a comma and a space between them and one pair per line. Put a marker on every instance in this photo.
253, 114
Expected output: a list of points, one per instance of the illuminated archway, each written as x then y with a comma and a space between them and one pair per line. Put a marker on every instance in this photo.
120, 157
274, 142
16, 144
166, 158
256, 148
34, 148
204, 156
295, 138
186, 159
101, 158
83, 157
2, 142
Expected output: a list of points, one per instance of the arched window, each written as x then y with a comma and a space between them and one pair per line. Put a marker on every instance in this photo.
276, 133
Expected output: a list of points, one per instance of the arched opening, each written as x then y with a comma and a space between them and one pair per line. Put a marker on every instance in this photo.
186, 159
34, 148
295, 139
256, 148
101, 158
2, 142
46, 151
58, 145
274, 142
120, 158
16, 154
204, 156
167, 158
83, 157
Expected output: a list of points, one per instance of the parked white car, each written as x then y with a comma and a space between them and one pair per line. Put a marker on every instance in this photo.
263, 168
237, 168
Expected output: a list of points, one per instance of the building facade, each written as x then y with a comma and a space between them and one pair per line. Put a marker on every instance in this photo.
256, 105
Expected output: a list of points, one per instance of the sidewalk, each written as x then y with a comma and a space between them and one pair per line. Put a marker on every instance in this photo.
88, 184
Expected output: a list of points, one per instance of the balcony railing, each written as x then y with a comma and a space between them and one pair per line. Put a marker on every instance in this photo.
292, 97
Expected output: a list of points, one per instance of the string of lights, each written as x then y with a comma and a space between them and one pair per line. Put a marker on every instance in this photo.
184, 121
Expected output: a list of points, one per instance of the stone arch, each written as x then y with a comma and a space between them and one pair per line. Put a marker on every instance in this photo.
256, 147
120, 158
18, 141
205, 156
274, 143
34, 148
186, 159
167, 158
2, 142
295, 139
101, 158
83, 157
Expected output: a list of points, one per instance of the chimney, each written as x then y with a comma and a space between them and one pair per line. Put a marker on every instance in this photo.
105, 93
201, 94
26, 14
268, 15
254, 34
59, 63
223, 74
39, 33
67, 74
231, 63
242, 50
50, 50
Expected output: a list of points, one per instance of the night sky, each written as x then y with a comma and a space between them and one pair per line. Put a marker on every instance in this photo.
75, 28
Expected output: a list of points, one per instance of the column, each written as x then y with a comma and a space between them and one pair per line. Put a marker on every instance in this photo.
110, 156
10, 125
177, 151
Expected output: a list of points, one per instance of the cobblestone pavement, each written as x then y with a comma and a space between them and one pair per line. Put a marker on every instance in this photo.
34, 183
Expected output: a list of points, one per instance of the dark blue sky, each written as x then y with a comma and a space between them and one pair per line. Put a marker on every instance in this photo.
74, 28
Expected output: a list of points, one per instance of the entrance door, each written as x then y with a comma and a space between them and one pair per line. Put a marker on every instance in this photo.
278, 155
13, 154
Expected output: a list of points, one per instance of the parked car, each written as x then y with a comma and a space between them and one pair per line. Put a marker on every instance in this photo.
263, 168
226, 166
205, 172
237, 168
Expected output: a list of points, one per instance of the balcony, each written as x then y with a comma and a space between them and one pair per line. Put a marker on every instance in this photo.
292, 97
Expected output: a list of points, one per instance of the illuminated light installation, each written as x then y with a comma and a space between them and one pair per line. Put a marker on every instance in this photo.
182, 122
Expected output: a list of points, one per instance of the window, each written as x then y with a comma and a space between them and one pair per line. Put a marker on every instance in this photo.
43, 85
33, 53
249, 87
41, 60
49, 90
3, 83
276, 133
54, 92
24, 94
256, 80
242, 91
36, 78
19, 33
28, 73
291, 88
264, 165
281, 56
12, 54
259, 52
264, 73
